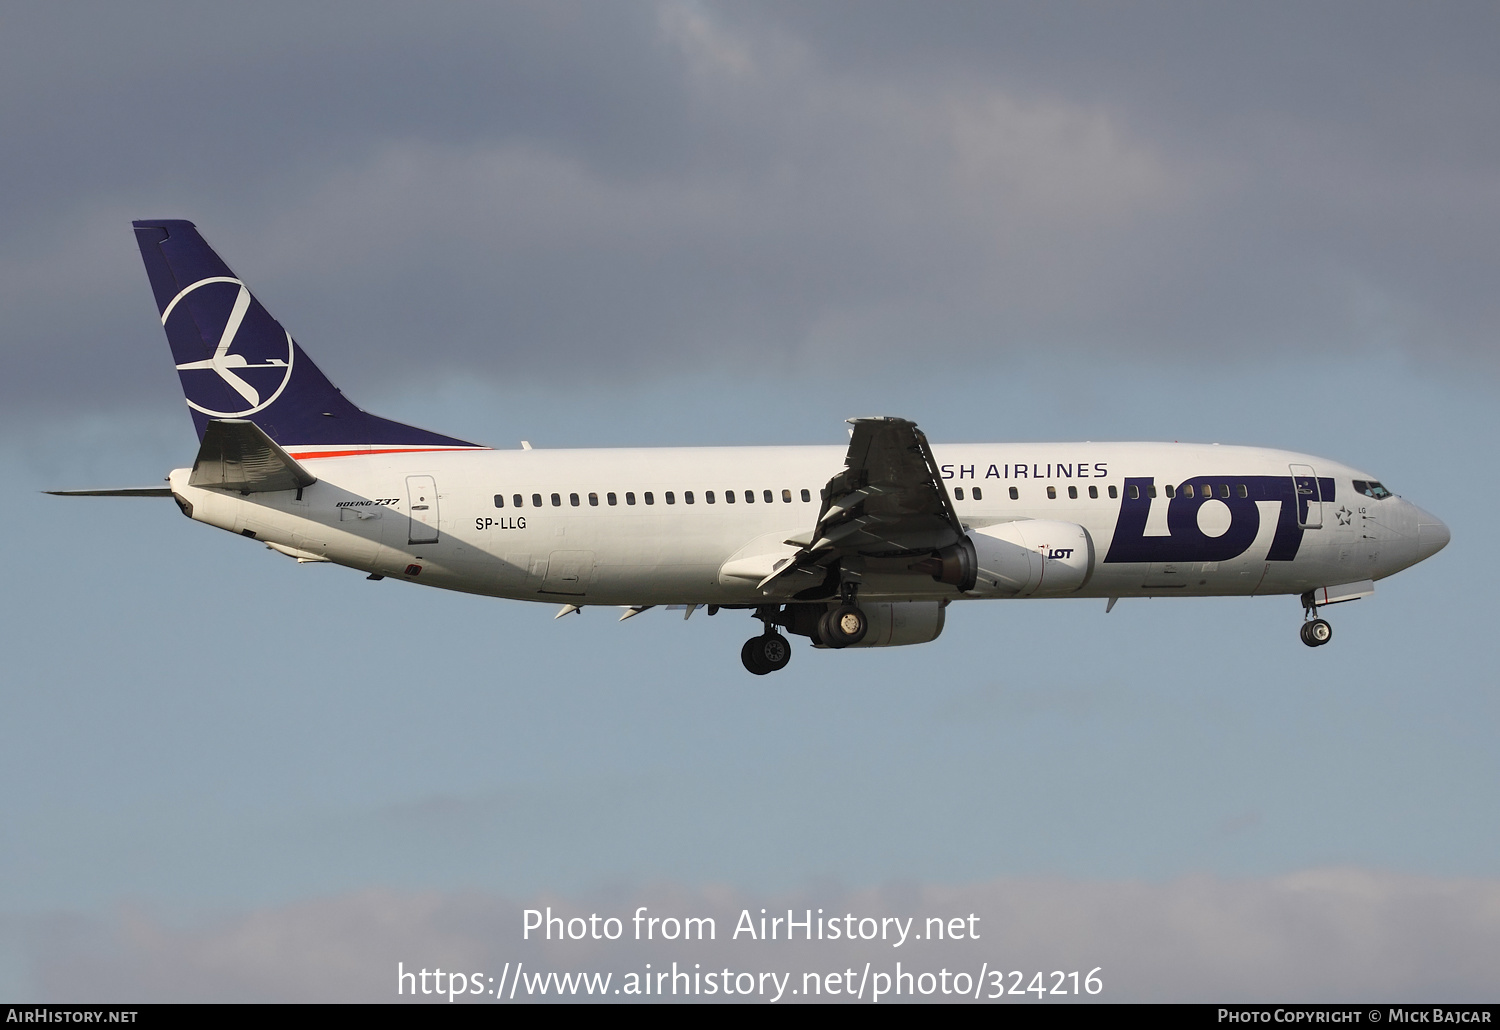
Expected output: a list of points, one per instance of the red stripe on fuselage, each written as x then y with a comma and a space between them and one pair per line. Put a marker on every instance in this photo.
306, 455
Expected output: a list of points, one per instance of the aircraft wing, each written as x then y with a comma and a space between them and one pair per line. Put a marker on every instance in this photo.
237, 455
889, 501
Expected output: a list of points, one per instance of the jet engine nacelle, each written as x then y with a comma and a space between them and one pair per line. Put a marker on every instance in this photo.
894, 623
1026, 558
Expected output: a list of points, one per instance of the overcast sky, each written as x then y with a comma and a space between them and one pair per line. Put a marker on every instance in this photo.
528, 191
679, 223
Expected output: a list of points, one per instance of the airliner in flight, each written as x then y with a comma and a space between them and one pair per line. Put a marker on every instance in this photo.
857, 547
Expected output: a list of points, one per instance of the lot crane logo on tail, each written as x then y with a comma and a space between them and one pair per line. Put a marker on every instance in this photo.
227, 305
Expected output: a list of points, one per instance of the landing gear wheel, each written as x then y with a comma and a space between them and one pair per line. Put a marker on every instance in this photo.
825, 636
845, 626
767, 653
1316, 633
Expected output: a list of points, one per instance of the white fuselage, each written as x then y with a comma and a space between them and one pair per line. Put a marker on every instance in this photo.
433, 516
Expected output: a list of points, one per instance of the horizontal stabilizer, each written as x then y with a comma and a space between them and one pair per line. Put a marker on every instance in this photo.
237, 455
124, 491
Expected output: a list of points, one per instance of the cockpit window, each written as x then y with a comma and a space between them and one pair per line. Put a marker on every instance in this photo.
1370, 488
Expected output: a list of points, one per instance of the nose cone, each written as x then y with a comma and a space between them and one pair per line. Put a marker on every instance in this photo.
1432, 535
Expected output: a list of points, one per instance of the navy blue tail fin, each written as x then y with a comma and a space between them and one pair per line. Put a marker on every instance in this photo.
237, 362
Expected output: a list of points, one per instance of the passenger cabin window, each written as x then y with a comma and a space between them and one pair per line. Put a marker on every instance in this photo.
629, 497
1224, 491
556, 500
767, 496
806, 496
749, 496
1072, 493
728, 496
671, 498
536, 500
708, 497
1169, 490
1051, 493
1187, 491
786, 496
1151, 490
1093, 493
611, 499
1014, 494
978, 495
958, 493
573, 500
516, 499
499, 500
1114, 492
687, 496
1135, 492
1243, 492
593, 500
649, 497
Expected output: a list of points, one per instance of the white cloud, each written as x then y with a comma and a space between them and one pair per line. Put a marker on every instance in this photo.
1318, 935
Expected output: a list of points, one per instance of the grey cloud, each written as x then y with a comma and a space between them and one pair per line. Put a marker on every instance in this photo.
1319, 935
240, 101
532, 191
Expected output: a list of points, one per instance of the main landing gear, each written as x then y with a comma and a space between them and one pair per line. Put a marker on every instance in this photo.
1315, 631
768, 652
847, 624
843, 626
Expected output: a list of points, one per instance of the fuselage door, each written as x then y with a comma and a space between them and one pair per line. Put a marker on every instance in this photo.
1309, 497
568, 572
422, 502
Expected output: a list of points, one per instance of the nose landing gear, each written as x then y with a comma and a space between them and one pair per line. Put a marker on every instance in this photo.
1315, 631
